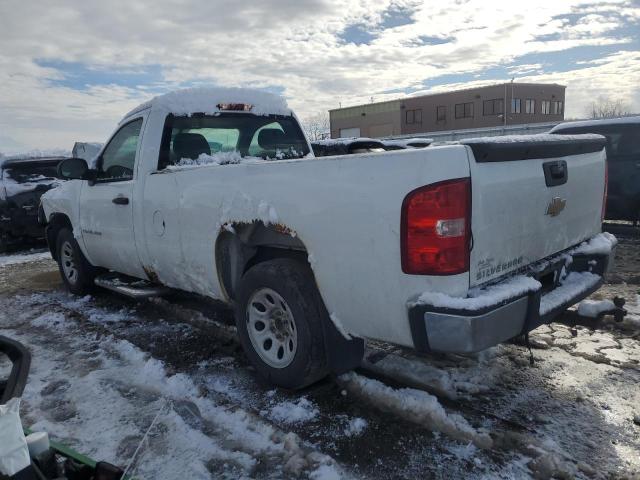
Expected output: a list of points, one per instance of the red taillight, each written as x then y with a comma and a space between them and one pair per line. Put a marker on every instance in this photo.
436, 227
606, 190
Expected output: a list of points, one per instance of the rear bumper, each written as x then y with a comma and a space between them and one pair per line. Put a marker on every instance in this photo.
466, 330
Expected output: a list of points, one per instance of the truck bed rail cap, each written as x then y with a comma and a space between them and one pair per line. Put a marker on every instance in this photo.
526, 147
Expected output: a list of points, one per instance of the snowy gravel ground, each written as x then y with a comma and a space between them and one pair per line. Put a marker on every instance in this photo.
104, 368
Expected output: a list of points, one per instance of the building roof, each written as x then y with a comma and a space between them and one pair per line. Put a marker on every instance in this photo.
445, 92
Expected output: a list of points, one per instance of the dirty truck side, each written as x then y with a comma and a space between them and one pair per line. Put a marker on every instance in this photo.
450, 248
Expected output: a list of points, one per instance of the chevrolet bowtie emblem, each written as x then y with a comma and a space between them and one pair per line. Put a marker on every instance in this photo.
556, 205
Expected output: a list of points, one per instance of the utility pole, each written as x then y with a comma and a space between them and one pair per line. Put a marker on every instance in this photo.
504, 107
504, 112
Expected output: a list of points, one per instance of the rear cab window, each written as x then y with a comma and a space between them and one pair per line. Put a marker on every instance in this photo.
269, 137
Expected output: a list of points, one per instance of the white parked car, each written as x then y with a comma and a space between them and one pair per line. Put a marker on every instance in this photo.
450, 248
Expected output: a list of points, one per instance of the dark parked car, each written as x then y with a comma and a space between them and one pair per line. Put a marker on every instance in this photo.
623, 158
22, 182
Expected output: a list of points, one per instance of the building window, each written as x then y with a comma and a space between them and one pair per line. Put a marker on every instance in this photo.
464, 110
414, 116
530, 106
545, 107
492, 107
515, 105
441, 114
560, 107
556, 108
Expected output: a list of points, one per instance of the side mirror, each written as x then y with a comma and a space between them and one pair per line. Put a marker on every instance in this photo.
73, 169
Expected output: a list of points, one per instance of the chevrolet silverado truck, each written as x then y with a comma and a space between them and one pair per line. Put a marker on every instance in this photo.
450, 248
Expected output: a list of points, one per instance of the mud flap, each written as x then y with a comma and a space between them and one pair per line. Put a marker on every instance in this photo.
342, 355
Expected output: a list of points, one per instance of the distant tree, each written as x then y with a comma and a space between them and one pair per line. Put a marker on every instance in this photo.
316, 127
605, 107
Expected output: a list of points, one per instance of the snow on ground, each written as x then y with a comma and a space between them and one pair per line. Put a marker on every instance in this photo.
128, 388
24, 257
418, 406
105, 367
593, 308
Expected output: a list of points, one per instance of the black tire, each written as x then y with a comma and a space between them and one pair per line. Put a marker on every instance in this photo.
294, 282
68, 251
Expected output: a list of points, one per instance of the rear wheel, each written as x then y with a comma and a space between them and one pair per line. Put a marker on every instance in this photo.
279, 315
77, 273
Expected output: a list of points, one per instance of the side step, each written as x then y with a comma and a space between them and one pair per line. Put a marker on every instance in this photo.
130, 287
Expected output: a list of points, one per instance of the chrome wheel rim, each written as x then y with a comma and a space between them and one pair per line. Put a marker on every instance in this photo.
67, 260
271, 327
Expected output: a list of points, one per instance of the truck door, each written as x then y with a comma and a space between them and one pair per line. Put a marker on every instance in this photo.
106, 207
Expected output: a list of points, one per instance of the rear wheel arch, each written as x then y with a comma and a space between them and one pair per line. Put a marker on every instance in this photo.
240, 246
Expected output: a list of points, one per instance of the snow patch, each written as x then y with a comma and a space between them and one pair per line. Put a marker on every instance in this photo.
220, 158
266, 213
355, 427
326, 472
53, 320
23, 258
601, 244
288, 412
416, 406
592, 308
538, 138
52, 153
482, 297
573, 285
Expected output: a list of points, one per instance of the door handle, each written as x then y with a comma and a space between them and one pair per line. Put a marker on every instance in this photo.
121, 201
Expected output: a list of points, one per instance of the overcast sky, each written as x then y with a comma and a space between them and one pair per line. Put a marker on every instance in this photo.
70, 69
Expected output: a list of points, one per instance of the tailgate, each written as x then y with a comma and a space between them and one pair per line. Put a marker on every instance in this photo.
532, 196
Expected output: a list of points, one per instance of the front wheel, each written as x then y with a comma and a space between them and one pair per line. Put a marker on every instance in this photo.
77, 273
279, 315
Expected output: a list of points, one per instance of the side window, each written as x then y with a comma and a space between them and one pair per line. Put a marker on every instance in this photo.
118, 159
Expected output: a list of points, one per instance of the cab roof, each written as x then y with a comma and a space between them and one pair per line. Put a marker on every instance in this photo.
207, 100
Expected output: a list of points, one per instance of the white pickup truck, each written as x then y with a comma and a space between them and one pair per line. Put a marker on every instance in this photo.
450, 248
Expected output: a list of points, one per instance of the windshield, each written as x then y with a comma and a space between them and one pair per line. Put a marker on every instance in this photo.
272, 137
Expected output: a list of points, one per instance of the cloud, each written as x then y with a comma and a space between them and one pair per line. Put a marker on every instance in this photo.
70, 69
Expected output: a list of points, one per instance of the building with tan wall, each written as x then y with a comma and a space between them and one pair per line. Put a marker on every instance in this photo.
478, 107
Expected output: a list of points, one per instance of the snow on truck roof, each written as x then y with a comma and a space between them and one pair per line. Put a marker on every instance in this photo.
597, 123
207, 100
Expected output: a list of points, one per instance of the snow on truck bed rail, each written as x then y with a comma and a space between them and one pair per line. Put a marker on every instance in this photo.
539, 137
206, 99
